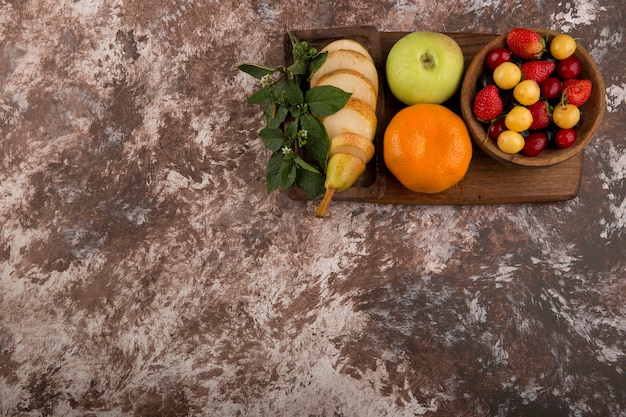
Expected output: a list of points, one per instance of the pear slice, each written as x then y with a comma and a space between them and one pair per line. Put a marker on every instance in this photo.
346, 59
353, 144
352, 82
356, 116
348, 156
343, 170
348, 44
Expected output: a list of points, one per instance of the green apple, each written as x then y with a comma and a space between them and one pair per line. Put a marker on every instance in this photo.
424, 67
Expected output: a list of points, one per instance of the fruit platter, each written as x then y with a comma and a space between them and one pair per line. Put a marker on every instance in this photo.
487, 180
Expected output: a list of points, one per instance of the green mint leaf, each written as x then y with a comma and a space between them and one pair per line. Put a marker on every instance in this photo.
274, 114
326, 100
279, 91
272, 172
292, 129
299, 67
298, 110
257, 71
317, 143
272, 138
317, 62
293, 94
268, 112
312, 183
259, 96
305, 165
287, 172
280, 116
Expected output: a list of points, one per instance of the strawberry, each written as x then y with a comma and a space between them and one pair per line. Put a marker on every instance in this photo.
525, 43
576, 91
537, 71
542, 115
487, 104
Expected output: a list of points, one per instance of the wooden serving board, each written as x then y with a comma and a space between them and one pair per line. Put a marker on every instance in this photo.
487, 181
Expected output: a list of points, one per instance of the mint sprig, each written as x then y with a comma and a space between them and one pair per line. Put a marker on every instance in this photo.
291, 117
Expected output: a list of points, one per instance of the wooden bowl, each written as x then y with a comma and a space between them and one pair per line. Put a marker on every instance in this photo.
592, 111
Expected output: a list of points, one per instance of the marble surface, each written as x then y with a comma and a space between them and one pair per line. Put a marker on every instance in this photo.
144, 270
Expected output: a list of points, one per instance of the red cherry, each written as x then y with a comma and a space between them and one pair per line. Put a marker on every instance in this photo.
495, 128
565, 138
568, 67
535, 143
496, 57
552, 87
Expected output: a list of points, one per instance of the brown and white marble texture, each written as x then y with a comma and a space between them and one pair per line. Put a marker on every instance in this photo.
144, 270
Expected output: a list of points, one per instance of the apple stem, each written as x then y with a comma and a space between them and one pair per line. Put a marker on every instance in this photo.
323, 207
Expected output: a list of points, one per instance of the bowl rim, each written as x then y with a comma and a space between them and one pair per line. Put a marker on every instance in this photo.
478, 133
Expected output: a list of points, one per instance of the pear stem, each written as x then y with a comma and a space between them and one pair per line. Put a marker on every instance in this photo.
323, 207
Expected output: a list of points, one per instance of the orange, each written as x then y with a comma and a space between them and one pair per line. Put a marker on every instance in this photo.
427, 147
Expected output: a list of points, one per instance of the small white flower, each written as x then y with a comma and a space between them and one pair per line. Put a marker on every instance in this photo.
286, 150
266, 80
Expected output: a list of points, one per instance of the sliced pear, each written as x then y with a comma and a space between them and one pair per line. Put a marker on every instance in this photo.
343, 170
353, 144
352, 82
356, 116
348, 44
346, 59
349, 154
